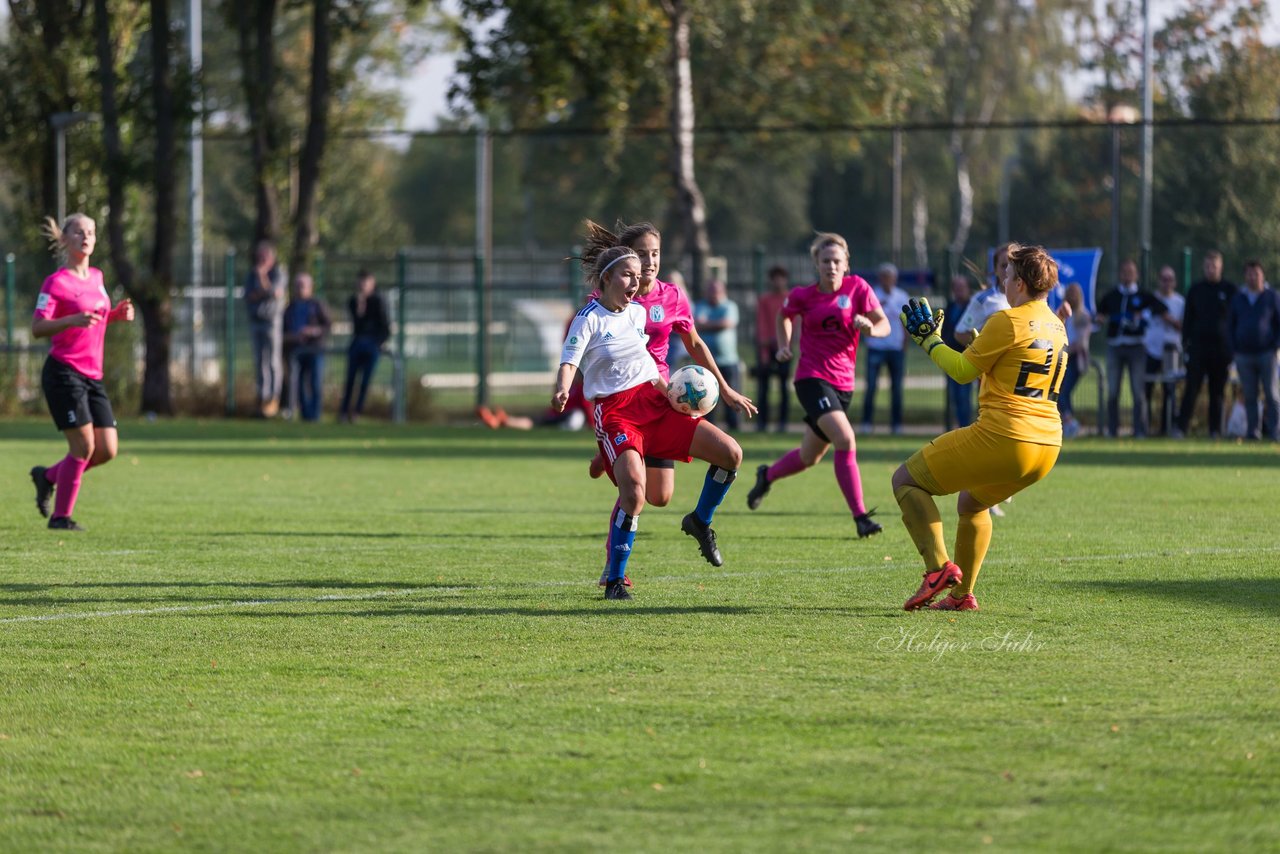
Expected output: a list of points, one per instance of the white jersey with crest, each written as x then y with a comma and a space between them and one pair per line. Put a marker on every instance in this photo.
610, 348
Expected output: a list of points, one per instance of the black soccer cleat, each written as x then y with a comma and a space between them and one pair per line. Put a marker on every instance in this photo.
617, 590
64, 523
867, 527
44, 489
761, 489
706, 537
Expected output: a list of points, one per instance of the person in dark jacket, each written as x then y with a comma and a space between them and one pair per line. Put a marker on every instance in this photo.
306, 326
1205, 345
1125, 312
1253, 323
370, 329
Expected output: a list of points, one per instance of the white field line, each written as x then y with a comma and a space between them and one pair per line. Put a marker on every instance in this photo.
707, 576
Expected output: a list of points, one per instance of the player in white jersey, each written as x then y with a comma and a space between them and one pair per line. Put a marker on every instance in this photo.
632, 416
986, 302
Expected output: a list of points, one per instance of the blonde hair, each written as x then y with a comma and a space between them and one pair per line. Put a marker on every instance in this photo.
1034, 267
1074, 296
823, 239
56, 234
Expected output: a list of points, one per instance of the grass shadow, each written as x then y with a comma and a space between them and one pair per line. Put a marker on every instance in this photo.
601, 609
1246, 594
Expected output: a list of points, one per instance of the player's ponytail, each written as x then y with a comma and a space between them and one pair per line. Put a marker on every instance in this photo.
55, 234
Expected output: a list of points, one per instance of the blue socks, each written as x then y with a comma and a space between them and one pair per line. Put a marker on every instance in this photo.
714, 488
622, 533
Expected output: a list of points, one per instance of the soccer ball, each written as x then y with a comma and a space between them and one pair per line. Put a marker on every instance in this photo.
693, 390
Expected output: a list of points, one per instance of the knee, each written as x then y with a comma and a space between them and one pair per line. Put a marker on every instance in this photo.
103, 455
902, 477
658, 497
812, 458
733, 456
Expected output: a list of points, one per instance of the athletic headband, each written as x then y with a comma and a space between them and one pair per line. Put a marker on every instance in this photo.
616, 260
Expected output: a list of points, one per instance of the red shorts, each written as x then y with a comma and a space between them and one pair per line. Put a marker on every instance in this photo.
641, 419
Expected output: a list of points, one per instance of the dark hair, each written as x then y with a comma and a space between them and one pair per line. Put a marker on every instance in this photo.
604, 259
362, 274
1253, 262
778, 270
600, 238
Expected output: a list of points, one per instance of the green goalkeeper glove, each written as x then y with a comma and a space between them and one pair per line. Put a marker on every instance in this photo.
922, 323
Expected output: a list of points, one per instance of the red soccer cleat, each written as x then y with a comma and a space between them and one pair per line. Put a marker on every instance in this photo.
934, 583
951, 603
596, 469
488, 417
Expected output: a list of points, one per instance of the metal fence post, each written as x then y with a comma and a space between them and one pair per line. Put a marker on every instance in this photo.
229, 279
10, 285
482, 341
1186, 268
401, 380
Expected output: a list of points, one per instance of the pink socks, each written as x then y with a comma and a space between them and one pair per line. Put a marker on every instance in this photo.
789, 464
850, 480
66, 477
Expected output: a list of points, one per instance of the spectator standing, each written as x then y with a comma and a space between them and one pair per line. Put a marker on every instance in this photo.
306, 326
716, 319
1253, 322
1206, 344
1163, 342
767, 365
1079, 324
1126, 311
264, 298
889, 351
370, 330
959, 396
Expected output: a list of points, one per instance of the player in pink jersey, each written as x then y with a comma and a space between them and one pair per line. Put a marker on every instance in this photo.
74, 310
667, 310
607, 342
833, 314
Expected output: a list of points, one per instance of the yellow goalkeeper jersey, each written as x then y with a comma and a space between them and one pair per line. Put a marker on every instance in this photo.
1022, 353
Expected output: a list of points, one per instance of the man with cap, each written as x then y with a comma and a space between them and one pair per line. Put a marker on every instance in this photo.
889, 351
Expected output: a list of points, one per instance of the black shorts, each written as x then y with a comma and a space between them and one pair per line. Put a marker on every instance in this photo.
819, 398
74, 399
658, 463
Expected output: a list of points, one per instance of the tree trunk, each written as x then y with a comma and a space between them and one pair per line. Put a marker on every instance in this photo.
690, 205
920, 228
306, 234
964, 194
157, 312
255, 24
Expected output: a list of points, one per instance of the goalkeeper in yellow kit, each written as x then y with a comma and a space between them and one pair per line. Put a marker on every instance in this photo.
1021, 356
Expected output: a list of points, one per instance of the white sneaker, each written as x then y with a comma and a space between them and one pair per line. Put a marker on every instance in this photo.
997, 510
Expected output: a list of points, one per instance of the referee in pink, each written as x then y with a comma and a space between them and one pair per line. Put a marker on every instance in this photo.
73, 310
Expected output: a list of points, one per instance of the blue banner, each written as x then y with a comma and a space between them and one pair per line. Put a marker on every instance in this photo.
1075, 266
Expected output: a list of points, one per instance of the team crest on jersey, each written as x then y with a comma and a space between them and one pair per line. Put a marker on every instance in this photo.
656, 313
573, 339
843, 301
42, 302
620, 438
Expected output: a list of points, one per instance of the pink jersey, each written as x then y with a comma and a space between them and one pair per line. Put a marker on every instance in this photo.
828, 338
667, 310
65, 293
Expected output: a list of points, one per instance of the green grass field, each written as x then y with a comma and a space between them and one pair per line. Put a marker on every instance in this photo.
280, 638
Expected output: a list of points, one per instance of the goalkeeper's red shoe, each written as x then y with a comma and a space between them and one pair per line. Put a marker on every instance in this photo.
934, 583
597, 466
951, 603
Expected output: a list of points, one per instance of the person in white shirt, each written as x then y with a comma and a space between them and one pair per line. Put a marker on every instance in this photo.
632, 416
1163, 343
986, 302
887, 352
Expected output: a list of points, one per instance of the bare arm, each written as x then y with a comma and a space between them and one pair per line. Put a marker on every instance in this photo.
875, 323
701, 354
48, 327
564, 379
